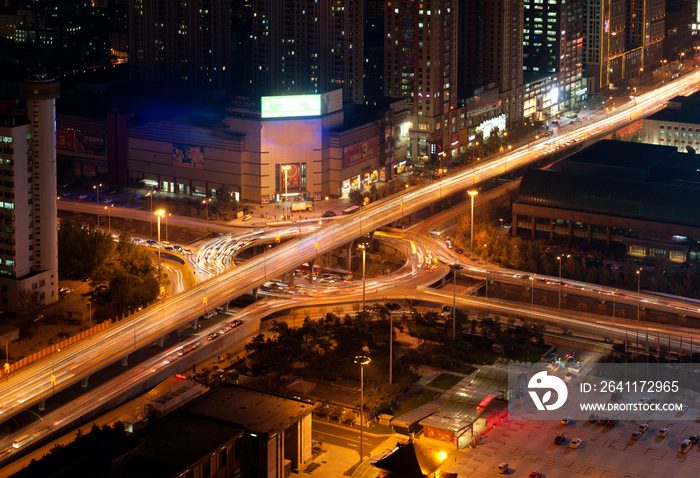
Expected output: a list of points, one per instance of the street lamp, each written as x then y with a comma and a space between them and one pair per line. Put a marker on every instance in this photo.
159, 213
166, 227
109, 218
363, 246
471, 242
286, 206
206, 204
532, 291
639, 299
559, 258
324, 203
150, 194
473, 148
362, 360
402, 194
97, 188
454, 268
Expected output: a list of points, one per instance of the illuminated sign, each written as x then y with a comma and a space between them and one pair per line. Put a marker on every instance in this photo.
360, 152
606, 27
285, 106
554, 95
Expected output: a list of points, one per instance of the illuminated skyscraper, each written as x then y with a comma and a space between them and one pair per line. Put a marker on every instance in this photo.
307, 47
180, 43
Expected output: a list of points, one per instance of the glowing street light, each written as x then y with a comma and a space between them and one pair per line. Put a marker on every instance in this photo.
472, 193
286, 206
159, 213
363, 246
97, 188
559, 258
362, 360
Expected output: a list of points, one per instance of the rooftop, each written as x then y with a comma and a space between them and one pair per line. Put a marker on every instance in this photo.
621, 154
687, 114
255, 411
413, 459
665, 203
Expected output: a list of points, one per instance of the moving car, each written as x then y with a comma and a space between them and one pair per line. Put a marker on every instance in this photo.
569, 376
560, 439
64, 290
662, 432
575, 443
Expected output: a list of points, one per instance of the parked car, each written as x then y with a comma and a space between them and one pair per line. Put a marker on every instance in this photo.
329, 214
662, 432
603, 420
535, 474
613, 422
636, 435
615, 397
560, 439
593, 418
247, 217
566, 420
575, 443
694, 439
643, 427
37, 318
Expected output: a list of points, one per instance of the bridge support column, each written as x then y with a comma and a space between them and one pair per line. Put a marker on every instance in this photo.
161, 340
194, 324
312, 262
328, 259
533, 225
551, 230
449, 200
290, 276
588, 234
413, 218
431, 208
255, 293
42, 405
125, 361
348, 255
571, 232
255, 250
371, 240
84, 382
225, 306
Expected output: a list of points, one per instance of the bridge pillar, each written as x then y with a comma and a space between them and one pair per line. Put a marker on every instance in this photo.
449, 200
371, 240
255, 250
413, 218
431, 208
194, 324
328, 259
125, 361
42, 405
348, 255
290, 276
84, 382
161, 340
225, 306
312, 262
255, 293
551, 230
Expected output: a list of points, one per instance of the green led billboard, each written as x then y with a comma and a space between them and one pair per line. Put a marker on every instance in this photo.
285, 106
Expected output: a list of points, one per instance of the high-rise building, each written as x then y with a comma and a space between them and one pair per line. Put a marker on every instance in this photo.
420, 65
621, 39
29, 251
180, 43
552, 49
303, 47
490, 45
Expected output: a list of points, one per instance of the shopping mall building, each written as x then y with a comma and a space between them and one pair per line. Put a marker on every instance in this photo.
196, 148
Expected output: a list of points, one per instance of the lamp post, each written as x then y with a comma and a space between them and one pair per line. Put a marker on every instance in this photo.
639, 299
559, 258
363, 246
454, 268
97, 188
505, 160
206, 205
150, 194
109, 220
286, 206
402, 194
613, 294
362, 360
159, 213
532, 291
472, 193
324, 204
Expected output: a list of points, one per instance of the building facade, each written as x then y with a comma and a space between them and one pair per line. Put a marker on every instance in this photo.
301, 47
180, 43
30, 242
677, 125
622, 38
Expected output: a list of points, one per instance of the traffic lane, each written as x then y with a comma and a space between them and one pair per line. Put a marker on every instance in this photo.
345, 437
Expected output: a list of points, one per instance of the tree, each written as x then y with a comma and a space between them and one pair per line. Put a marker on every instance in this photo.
29, 301
78, 434
356, 197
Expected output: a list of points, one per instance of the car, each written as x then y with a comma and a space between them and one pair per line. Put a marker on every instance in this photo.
643, 400
213, 336
187, 250
612, 422
329, 214
615, 397
37, 318
569, 376
392, 306
458, 251
535, 474
636, 435
593, 418
177, 247
643, 427
225, 329
566, 420
683, 409
685, 446
603, 420
236, 323
559, 439
169, 248
575, 443
82, 196
165, 243
576, 368
571, 354
694, 439
566, 332
247, 217
662, 432
64, 291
